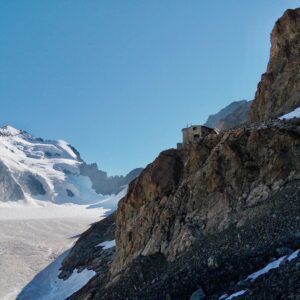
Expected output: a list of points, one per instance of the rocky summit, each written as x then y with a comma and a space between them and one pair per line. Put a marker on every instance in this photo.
217, 218
279, 89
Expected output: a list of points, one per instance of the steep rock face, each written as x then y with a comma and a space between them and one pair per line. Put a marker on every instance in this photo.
225, 181
279, 89
234, 114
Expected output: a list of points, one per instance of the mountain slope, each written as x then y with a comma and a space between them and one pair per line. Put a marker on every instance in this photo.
104, 184
238, 117
33, 169
234, 114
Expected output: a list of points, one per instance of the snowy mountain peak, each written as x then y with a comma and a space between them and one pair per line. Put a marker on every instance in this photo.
8, 130
33, 169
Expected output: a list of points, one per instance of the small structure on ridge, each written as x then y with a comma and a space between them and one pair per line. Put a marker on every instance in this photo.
193, 134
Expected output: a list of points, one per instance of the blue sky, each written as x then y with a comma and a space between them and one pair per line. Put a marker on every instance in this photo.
119, 79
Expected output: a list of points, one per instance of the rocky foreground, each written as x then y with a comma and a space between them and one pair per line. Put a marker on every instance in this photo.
218, 219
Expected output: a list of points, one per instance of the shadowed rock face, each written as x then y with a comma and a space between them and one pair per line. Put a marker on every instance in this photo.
279, 89
104, 184
225, 181
35, 186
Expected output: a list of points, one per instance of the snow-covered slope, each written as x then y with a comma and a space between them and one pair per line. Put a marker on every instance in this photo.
293, 114
36, 169
47, 286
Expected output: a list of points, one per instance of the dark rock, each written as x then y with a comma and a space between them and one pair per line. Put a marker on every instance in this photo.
284, 251
70, 193
243, 284
198, 295
34, 185
212, 262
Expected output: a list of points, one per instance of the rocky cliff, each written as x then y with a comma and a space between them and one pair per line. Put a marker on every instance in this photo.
279, 89
206, 216
224, 182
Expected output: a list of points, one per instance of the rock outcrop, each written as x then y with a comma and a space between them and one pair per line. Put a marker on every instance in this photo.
224, 182
279, 89
107, 185
234, 114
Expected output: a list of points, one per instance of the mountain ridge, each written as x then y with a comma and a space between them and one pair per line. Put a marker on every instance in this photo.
37, 169
215, 120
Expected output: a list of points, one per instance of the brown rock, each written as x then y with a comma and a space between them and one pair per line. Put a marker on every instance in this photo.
224, 181
279, 89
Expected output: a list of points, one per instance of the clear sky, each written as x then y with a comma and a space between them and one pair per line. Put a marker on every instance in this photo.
118, 79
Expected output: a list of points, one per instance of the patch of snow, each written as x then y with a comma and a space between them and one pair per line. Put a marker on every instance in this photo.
47, 286
66, 147
234, 295
107, 244
110, 202
293, 114
293, 255
273, 265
